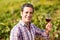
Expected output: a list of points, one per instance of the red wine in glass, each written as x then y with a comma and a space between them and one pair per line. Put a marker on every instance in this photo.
48, 20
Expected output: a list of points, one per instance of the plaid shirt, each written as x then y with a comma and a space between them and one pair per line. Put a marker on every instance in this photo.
20, 32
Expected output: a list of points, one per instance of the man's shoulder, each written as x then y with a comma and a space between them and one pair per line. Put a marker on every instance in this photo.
15, 28
33, 24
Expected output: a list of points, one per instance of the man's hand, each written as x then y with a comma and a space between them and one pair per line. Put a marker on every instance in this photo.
48, 27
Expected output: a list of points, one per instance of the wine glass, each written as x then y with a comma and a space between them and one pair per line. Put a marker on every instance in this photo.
48, 18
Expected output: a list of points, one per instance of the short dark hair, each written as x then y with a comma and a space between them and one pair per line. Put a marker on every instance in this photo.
27, 5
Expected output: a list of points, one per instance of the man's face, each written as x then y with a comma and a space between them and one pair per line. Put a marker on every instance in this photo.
27, 14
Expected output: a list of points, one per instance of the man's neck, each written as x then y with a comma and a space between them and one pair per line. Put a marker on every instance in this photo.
26, 23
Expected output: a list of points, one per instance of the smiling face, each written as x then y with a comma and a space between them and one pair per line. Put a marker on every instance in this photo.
27, 14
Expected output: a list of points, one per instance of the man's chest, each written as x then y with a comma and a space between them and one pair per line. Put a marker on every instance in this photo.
27, 34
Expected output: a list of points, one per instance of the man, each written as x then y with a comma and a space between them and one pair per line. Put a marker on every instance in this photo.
25, 30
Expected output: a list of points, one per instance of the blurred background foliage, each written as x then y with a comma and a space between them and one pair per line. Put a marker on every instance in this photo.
10, 15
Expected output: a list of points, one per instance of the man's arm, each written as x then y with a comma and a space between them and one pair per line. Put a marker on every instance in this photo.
14, 34
44, 33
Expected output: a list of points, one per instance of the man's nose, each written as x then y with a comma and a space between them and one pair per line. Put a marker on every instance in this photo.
29, 14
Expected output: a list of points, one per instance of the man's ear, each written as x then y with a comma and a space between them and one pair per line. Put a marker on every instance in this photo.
21, 14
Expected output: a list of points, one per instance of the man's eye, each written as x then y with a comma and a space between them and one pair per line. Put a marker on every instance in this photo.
26, 12
31, 12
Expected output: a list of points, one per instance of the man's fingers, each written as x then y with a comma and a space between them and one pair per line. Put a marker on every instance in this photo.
49, 26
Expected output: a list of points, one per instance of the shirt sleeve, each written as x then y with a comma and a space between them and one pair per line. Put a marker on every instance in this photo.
41, 32
14, 34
